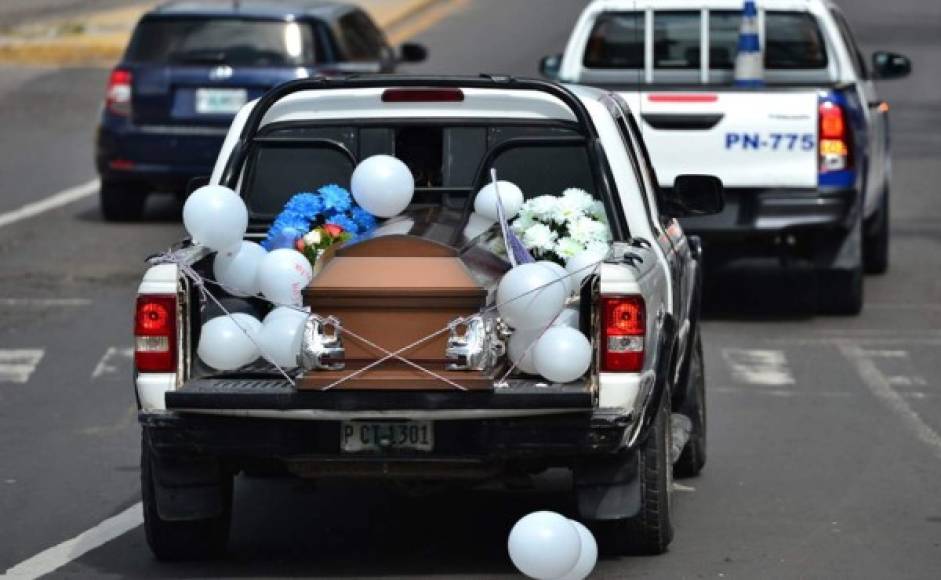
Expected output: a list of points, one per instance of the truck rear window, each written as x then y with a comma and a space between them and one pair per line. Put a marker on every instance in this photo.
792, 41
232, 41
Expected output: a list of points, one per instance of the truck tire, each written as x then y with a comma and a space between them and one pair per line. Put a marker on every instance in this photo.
650, 531
122, 202
876, 240
197, 539
693, 457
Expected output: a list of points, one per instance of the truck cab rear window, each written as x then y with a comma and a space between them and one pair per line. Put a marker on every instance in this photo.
211, 41
792, 41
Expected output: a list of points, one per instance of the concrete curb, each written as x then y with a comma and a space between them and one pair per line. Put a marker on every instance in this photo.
99, 39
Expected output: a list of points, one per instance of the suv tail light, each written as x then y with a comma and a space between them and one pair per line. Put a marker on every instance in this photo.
623, 328
155, 333
118, 95
834, 138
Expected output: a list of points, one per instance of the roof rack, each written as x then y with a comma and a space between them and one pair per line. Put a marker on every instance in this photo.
485, 81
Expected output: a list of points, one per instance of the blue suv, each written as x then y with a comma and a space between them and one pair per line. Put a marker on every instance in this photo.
190, 66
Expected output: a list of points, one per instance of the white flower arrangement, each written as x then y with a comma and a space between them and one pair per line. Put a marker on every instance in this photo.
557, 228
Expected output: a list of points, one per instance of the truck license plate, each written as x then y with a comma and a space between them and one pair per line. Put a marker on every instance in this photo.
359, 436
220, 101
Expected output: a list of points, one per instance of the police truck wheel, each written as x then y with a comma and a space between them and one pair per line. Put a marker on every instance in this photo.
122, 202
650, 531
196, 539
693, 457
876, 241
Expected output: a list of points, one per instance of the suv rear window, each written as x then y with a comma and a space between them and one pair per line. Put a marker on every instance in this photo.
232, 41
792, 40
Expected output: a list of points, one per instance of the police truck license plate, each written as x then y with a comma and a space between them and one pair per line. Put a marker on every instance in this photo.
358, 436
220, 101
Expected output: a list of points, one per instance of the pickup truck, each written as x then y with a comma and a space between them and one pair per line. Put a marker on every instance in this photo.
805, 159
620, 427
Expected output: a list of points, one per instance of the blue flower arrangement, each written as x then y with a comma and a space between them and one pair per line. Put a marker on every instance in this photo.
331, 204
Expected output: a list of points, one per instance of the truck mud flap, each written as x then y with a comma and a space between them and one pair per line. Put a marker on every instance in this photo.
609, 489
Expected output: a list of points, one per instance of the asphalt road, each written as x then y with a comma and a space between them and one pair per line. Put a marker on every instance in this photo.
824, 458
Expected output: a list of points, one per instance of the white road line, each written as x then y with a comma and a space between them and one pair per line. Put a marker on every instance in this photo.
57, 556
110, 361
879, 385
758, 367
64, 197
17, 365
43, 302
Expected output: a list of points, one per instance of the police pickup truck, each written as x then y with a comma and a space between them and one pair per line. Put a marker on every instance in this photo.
634, 417
804, 160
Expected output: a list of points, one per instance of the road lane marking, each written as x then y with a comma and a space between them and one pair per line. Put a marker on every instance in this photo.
17, 365
415, 25
56, 200
758, 366
111, 361
879, 385
43, 302
55, 557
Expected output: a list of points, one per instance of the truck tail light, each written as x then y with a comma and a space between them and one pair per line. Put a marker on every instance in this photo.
118, 95
155, 333
422, 95
623, 328
834, 138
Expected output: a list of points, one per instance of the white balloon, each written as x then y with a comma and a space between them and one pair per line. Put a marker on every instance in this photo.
382, 185
476, 225
581, 265
520, 349
562, 354
544, 545
588, 556
486, 201
215, 217
560, 273
237, 268
280, 338
283, 275
284, 311
530, 296
223, 343
570, 317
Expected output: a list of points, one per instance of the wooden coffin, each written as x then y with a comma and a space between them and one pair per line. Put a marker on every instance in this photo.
394, 291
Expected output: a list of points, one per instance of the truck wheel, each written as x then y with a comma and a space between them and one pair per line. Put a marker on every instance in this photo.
693, 458
650, 531
197, 539
876, 240
122, 202
840, 292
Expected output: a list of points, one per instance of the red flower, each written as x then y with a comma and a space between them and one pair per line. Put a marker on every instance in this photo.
333, 230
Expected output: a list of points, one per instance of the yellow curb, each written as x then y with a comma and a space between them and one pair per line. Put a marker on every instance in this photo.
101, 37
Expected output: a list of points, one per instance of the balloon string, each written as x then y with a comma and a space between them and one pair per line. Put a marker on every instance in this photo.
173, 257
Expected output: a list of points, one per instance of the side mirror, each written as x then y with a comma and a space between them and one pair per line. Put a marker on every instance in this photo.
550, 65
195, 183
412, 52
693, 195
889, 65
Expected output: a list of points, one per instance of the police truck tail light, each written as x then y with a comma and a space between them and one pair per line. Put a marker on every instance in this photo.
155, 334
623, 327
118, 96
834, 139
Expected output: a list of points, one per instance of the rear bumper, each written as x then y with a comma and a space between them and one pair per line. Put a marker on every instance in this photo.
771, 212
155, 154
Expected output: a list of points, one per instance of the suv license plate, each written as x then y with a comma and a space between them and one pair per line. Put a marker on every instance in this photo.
220, 101
360, 436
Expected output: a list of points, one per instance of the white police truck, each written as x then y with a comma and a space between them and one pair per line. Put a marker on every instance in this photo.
804, 159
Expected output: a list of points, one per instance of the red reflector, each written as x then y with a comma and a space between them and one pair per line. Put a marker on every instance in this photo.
624, 325
121, 164
832, 125
682, 98
422, 95
155, 333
